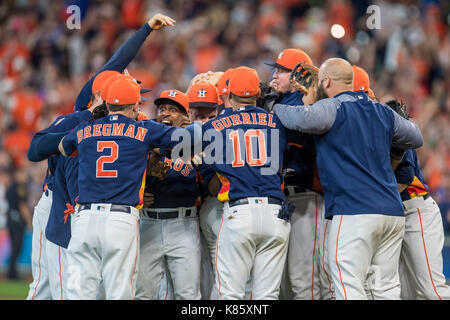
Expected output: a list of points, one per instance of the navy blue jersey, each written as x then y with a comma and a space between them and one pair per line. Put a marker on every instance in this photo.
65, 195
61, 124
353, 158
178, 189
408, 172
248, 153
112, 153
353, 139
206, 172
299, 159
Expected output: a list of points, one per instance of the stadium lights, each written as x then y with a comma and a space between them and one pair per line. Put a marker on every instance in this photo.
337, 31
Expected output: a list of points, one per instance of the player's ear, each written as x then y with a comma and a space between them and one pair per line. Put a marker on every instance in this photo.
327, 82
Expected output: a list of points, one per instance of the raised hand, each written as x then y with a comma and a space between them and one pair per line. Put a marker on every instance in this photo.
159, 21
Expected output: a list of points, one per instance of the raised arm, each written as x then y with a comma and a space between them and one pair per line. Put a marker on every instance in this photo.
123, 56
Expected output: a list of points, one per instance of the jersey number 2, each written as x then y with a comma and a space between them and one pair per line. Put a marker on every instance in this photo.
100, 171
248, 136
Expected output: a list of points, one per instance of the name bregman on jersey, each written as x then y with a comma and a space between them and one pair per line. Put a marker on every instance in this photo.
115, 129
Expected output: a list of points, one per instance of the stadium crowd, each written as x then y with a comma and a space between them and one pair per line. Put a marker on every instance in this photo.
43, 63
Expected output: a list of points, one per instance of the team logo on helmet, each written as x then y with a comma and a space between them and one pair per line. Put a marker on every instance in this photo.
280, 55
172, 93
202, 93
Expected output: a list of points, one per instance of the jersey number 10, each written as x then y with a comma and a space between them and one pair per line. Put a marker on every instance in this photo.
238, 160
100, 172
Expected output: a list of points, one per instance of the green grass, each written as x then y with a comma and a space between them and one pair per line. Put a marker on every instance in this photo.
14, 290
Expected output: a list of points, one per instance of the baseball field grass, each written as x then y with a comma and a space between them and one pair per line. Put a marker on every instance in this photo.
14, 290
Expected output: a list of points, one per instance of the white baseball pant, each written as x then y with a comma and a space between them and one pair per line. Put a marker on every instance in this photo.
174, 243
57, 270
166, 289
40, 286
252, 240
326, 284
421, 266
303, 257
365, 247
210, 216
207, 282
103, 249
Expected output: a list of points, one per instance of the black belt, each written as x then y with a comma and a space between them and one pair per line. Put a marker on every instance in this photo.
425, 197
46, 192
241, 201
166, 214
114, 207
296, 190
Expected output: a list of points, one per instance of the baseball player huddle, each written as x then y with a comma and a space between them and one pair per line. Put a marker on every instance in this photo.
305, 188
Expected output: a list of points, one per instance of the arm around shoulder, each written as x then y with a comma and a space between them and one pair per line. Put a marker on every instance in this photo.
317, 118
407, 134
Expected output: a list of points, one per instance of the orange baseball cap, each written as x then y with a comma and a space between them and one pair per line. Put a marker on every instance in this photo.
173, 96
106, 84
124, 91
203, 94
288, 58
101, 78
222, 85
360, 79
244, 82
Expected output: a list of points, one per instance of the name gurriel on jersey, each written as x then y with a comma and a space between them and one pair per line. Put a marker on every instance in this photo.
116, 129
262, 119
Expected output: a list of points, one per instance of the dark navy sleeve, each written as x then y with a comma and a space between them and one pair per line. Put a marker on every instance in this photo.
39, 150
206, 173
69, 142
45, 146
118, 62
406, 170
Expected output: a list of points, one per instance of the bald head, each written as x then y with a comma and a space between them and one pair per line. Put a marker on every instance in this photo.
335, 76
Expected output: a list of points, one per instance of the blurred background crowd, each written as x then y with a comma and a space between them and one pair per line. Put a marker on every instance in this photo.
44, 64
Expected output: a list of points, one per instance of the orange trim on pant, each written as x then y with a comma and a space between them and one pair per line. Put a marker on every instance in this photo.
39, 264
167, 286
217, 255
426, 256
314, 251
323, 259
337, 242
